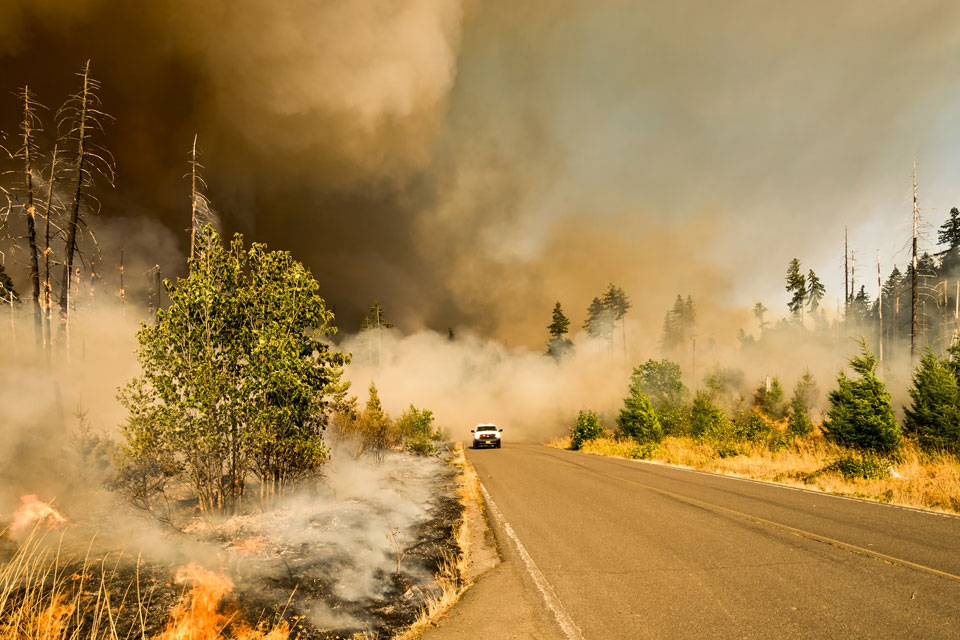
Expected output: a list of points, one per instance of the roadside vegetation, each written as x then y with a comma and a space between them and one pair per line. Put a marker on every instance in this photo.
858, 448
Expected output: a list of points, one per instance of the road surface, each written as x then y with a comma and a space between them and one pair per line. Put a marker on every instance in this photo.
605, 548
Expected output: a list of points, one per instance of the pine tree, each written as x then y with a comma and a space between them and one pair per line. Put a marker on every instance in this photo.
599, 322
376, 423
815, 291
637, 419
617, 304
805, 395
679, 324
375, 321
768, 398
934, 415
689, 318
561, 324
558, 345
949, 233
860, 308
797, 285
758, 312
860, 414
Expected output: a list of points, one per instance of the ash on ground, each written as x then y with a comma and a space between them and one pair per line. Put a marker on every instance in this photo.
357, 551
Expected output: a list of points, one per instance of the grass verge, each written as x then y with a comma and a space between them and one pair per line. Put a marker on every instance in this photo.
916, 479
453, 577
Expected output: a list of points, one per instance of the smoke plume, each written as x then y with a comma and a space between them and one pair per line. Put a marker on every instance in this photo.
469, 164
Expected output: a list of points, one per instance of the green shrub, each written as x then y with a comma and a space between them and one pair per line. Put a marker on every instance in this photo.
858, 466
729, 449
779, 440
704, 415
643, 451
675, 420
637, 419
751, 426
417, 433
587, 428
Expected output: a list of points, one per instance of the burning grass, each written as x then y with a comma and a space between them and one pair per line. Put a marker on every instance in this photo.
45, 595
916, 479
345, 559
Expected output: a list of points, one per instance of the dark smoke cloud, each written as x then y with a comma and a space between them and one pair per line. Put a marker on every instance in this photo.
470, 163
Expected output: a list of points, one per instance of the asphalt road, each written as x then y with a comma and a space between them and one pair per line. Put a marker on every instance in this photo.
605, 548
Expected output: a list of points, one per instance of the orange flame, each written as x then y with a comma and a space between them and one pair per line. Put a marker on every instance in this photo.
197, 616
33, 510
49, 622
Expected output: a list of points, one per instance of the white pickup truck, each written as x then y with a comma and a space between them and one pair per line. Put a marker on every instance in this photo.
486, 435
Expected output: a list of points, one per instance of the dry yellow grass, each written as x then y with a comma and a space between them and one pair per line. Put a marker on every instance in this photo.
919, 480
42, 600
453, 575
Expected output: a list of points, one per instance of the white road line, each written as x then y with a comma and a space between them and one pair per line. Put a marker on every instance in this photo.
567, 625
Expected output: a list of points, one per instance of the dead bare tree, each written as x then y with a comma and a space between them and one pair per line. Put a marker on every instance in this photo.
29, 153
913, 279
47, 251
880, 309
200, 214
79, 119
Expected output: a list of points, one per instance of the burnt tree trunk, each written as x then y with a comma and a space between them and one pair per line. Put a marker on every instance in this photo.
29, 152
74, 221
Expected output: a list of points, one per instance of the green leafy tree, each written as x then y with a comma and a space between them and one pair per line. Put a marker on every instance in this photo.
235, 373
559, 345
860, 415
815, 291
661, 382
637, 419
934, 415
587, 428
797, 287
417, 432
805, 395
146, 462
